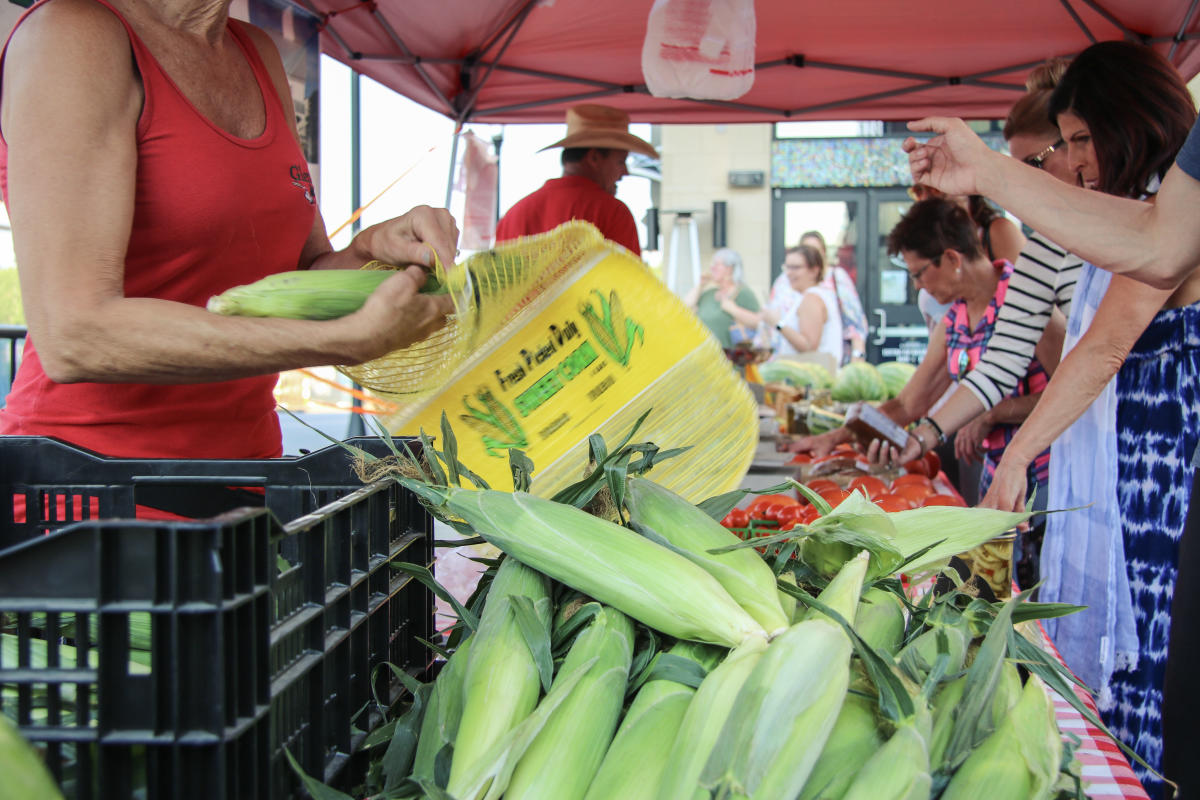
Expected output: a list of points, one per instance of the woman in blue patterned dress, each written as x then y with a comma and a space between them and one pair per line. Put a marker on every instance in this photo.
1123, 112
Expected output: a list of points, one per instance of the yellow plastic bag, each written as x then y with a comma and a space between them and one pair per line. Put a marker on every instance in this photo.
583, 341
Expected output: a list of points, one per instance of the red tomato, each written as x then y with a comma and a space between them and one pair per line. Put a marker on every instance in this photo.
737, 518
766, 500
801, 458
913, 493
771, 512
834, 496
819, 485
911, 479
943, 500
845, 447
810, 514
891, 502
933, 464
790, 515
918, 466
870, 484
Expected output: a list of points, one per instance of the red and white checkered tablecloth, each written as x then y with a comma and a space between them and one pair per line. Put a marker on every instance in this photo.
1105, 769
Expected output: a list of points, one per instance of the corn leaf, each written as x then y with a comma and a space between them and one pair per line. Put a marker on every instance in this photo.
670, 667
423, 575
895, 702
450, 452
533, 631
818, 502
973, 722
436, 473
318, 790
522, 470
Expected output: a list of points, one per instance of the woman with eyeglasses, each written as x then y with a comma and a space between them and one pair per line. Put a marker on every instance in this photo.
814, 323
941, 250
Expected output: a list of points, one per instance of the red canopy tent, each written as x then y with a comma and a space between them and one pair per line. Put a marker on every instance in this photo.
527, 60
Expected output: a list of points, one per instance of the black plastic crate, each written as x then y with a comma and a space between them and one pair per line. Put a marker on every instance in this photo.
58, 483
261, 635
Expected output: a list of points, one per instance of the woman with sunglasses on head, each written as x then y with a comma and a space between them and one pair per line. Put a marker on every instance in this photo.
1123, 112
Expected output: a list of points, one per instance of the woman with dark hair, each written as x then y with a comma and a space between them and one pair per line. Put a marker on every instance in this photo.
943, 255
1123, 113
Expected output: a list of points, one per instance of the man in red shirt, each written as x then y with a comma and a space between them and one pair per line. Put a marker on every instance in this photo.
596, 146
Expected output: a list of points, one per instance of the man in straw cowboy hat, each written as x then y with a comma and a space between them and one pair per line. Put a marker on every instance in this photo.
594, 151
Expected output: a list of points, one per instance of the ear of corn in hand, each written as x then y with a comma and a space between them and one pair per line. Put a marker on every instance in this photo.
316, 294
563, 759
650, 583
742, 572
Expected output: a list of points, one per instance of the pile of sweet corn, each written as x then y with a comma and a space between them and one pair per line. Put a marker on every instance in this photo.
657, 656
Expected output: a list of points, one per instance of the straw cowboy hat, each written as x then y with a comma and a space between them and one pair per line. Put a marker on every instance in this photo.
601, 126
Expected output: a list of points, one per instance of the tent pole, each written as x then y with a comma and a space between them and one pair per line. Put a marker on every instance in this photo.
356, 426
453, 160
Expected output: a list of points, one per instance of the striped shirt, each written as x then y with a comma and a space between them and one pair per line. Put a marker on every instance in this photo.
966, 347
1043, 277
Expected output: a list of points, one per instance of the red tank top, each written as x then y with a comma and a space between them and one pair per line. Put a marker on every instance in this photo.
211, 211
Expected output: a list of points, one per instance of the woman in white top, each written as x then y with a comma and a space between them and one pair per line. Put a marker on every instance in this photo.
816, 323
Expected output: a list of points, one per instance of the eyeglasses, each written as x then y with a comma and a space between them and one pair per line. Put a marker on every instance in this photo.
1038, 160
916, 276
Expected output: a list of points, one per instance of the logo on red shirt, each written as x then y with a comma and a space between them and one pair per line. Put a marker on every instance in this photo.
303, 181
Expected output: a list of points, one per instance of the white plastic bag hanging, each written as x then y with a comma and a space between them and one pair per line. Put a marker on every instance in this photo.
478, 176
702, 49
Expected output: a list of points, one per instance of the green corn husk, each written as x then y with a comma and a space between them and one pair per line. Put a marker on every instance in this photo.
786, 709
439, 727
704, 719
854, 739
501, 683
880, 620
741, 572
23, 771
563, 759
949, 530
919, 655
899, 770
1008, 693
634, 764
650, 583
945, 708
1019, 760
301, 294
786, 601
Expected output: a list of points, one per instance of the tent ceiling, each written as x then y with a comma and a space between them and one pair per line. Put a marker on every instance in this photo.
528, 60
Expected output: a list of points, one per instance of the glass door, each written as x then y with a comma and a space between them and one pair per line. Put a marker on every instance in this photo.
898, 331
855, 224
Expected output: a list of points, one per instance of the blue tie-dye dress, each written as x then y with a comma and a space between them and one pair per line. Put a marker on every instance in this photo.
1158, 425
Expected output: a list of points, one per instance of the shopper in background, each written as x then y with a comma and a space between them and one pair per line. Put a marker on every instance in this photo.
725, 305
813, 321
597, 144
150, 160
784, 299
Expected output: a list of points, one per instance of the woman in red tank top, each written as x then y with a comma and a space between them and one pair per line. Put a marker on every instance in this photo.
149, 160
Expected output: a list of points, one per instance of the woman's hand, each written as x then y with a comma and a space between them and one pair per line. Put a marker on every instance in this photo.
950, 161
1007, 491
820, 444
771, 316
411, 238
968, 444
397, 315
